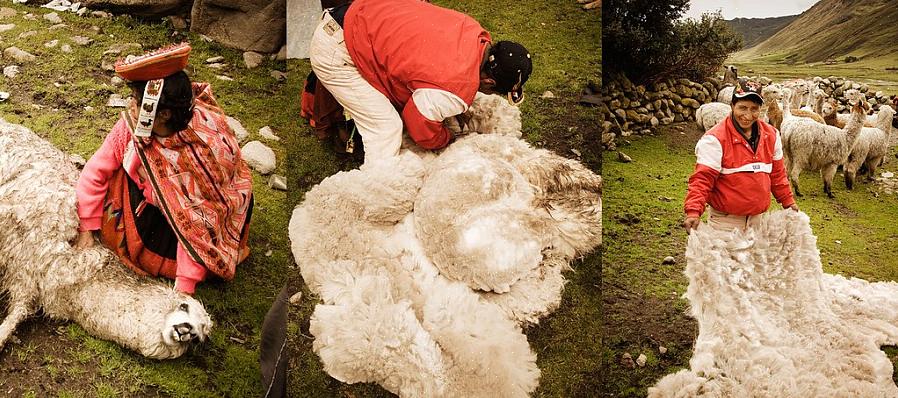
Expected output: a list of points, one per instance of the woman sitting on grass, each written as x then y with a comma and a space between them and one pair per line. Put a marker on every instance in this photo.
168, 190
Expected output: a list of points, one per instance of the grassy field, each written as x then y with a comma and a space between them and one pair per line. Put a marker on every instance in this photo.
643, 203
62, 97
565, 43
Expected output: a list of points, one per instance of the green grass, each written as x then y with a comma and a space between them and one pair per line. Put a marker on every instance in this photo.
220, 367
565, 42
643, 307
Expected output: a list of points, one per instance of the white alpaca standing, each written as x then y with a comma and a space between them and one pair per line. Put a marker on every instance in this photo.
871, 146
708, 115
428, 266
809, 145
40, 269
726, 95
772, 324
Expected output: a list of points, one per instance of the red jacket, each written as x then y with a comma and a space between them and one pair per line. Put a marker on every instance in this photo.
401, 46
733, 178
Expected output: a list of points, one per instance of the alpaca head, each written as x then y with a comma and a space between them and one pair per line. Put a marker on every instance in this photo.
771, 93
854, 96
830, 107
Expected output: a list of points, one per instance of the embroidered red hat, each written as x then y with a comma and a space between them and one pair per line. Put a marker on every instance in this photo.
156, 64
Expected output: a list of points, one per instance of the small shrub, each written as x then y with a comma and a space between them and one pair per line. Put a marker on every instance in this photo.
849, 59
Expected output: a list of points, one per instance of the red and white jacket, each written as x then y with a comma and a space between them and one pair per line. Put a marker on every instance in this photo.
425, 59
734, 179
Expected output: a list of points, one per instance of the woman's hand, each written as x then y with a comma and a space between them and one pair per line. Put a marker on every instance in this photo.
84, 240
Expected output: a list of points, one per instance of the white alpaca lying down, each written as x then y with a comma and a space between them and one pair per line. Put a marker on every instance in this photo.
401, 252
40, 269
772, 324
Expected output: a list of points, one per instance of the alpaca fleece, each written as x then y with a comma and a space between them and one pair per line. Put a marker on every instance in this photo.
772, 324
427, 266
40, 269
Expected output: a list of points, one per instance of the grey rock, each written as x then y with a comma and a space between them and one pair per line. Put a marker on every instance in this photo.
225, 78
278, 182
53, 17
238, 129
25, 35
295, 299
7, 12
215, 60
268, 134
669, 260
178, 22
18, 54
249, 25
82, 40
278, 75
100, 14
51, 43
11, 71
548, 94
641, 360
7, 27
116, 101
252, 59
259, 157
116, 81
67, 49
623, 158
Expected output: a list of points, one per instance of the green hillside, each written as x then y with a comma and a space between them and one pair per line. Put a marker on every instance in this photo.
755, 30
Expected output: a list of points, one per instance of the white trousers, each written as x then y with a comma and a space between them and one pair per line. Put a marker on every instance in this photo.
378, 122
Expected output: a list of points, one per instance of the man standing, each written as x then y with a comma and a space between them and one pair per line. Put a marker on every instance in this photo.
395, 62
739, 163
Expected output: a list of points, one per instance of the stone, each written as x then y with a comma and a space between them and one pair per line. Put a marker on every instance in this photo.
252, 59
116, 81
53, 17
100, 14
655, 122
51, 43
662, 349
268, 134
281, 54
6, 12
295, 299
641, 359
122, 47
116, 101
58, 26
215, 60
178, 22
147, 8
623, 158
78, 160
82, 40
547, 94
249, 25
7, 27
669, 260
30, 17
259, 157
627, 361
25, 35
238, 129
217, 66
278, 75
225, 78
18, 54
67, 49
278, 182
11, 71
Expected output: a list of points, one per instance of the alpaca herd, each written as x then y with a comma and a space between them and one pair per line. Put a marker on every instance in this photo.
816, 136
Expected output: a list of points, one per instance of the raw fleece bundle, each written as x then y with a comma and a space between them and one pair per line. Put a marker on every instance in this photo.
427, 266
772, 324
40, 269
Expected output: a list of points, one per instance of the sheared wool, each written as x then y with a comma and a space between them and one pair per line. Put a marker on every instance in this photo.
40, 269
772, 324
427, 266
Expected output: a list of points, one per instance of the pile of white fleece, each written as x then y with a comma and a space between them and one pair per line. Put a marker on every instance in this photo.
428, 266
772, 324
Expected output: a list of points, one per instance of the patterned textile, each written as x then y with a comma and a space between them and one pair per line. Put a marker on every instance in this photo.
201, 184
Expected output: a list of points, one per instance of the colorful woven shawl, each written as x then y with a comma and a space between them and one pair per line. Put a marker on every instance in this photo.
201, 184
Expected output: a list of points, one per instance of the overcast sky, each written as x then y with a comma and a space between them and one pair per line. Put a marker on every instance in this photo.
749, 8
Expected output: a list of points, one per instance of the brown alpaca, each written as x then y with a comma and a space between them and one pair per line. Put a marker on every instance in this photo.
808, 114
774, 113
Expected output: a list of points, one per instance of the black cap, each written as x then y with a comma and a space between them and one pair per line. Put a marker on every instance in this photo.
509, 64
751, 93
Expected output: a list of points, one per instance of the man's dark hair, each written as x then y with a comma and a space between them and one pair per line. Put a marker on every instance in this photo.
177, 97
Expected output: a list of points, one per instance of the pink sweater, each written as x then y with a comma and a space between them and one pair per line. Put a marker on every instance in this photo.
94, 182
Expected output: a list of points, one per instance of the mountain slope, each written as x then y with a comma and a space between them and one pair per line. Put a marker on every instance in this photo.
834, 29
756, 30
